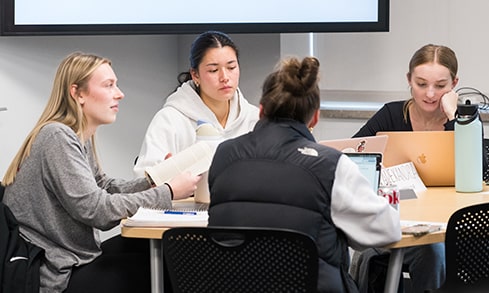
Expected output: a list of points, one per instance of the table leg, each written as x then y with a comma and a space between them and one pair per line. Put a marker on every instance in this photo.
394, 270
156, 262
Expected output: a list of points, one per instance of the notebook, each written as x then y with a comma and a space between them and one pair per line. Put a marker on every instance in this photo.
181, 214
366, 144
370, 166
432, 153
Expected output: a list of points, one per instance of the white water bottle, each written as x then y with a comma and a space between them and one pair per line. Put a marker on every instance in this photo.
208, 133
468, 148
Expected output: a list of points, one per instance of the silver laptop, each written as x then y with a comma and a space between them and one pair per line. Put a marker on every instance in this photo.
369, 165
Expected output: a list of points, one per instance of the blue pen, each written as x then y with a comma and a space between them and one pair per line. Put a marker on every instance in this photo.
180, 213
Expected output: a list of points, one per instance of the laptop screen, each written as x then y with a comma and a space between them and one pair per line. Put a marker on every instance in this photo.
369, 165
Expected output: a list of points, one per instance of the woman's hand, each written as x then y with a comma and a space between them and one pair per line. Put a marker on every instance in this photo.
448, 104
184, 185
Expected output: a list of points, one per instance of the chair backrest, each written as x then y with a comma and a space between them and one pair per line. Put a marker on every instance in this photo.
235, 259
2, 191
467, 246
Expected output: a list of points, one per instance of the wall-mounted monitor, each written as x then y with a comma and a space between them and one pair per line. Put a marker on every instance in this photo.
97, 17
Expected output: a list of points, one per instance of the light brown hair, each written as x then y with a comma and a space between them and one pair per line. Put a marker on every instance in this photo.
431, 54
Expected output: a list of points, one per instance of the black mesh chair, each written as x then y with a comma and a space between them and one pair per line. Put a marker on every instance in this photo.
467, 251
218, 259
2, 191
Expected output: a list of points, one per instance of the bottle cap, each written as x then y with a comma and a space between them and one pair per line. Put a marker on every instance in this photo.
467, 109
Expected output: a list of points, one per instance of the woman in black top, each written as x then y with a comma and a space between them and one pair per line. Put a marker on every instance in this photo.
432, 76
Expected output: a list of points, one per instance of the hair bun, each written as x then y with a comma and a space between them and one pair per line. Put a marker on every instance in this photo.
299, 78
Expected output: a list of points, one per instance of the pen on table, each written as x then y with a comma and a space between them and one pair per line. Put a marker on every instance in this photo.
180, 213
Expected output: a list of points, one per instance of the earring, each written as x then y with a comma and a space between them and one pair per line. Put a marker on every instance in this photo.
311, 129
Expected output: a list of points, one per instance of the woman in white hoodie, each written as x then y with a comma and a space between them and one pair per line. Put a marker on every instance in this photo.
207, 93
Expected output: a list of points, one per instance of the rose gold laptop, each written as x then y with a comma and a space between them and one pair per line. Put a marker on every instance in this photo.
366, 144
432, 153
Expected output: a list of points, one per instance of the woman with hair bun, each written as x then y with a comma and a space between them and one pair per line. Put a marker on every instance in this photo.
278, 176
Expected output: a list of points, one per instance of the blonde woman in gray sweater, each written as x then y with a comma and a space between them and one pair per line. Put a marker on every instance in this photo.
61, 197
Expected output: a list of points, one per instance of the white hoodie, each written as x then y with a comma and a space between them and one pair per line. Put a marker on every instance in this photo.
173, 127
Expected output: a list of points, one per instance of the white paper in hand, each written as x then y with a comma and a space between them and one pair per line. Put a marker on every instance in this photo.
196, 159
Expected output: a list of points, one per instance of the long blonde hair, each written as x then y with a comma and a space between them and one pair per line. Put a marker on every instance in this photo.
75, 69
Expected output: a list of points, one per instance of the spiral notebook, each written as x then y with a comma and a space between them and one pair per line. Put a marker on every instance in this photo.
182, 214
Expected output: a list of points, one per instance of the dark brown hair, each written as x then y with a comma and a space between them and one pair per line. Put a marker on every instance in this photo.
292, 90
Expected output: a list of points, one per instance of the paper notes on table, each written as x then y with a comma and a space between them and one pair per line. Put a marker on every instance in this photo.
420, 229
145, 217
404, 176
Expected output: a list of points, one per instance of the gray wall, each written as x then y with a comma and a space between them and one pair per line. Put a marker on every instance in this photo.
379, 61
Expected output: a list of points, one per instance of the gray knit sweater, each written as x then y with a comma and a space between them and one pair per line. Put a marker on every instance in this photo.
60, 196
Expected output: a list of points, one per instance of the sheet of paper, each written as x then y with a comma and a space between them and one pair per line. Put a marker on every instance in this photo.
404, 176
196, 159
